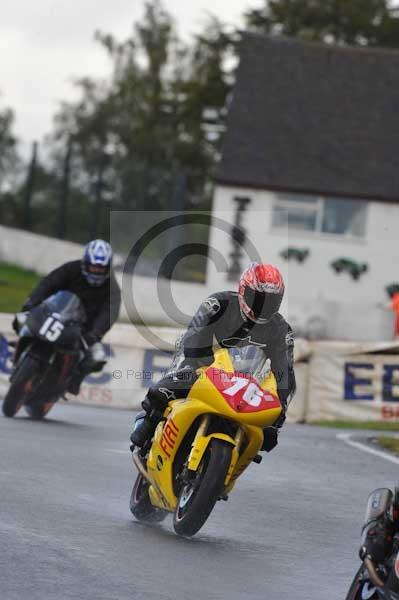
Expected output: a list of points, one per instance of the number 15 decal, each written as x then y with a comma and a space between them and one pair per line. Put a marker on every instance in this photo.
51, 329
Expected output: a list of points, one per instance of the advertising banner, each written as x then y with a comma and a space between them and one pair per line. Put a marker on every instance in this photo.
358, 387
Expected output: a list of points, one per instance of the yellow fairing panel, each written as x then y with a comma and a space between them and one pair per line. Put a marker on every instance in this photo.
205, 391
167, 440
206, 399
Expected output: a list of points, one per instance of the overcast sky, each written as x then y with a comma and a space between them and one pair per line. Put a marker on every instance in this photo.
44, 44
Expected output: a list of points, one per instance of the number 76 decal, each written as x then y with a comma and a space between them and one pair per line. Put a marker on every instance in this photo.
253, 395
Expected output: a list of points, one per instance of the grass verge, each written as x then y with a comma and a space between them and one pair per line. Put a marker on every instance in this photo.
389, 443
365, 425
15, 286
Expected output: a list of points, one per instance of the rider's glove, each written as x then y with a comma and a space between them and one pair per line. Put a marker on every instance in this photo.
15, 325
91, 338
280, 421
270, 438
18, 321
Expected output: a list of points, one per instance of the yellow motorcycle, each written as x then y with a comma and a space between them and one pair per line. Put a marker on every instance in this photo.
206, 441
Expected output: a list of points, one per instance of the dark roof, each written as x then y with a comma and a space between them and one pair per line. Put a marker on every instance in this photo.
314, 118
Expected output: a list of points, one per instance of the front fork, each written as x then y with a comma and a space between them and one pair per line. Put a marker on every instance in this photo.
202, 441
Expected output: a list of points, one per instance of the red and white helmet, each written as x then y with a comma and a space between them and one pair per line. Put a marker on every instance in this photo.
261, 292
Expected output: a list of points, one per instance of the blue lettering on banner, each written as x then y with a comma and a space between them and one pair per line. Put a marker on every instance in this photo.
150, 367
387, 383
5, 356
351, 381
390, 377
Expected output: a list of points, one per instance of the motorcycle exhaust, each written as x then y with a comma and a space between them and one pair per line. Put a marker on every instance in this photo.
140, 467
374, 577
138, 463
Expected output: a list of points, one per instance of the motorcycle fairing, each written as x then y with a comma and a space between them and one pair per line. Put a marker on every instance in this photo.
234, 388
58, 357
206, 399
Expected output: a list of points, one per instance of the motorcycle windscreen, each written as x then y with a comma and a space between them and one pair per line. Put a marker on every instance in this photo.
66, 304
250, 360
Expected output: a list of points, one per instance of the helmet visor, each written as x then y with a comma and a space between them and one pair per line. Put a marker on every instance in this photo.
96, 269
263, 305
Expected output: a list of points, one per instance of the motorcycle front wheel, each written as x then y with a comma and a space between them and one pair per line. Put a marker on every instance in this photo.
199, 496
21, 386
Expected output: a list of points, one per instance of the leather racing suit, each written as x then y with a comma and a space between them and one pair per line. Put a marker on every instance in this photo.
219, 323
101, 304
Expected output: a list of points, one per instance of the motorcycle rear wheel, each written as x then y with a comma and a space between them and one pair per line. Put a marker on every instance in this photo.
198, 498
18, 390
140, 503
39, 411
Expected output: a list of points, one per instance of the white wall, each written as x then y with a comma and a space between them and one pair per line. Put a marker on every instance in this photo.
151, 299
314, 290
36, 252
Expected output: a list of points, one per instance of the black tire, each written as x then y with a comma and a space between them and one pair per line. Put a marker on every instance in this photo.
16, 393
37, 412
140, 503
356, 589
191, 514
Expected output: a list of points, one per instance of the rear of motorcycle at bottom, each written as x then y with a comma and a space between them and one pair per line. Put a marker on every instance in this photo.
378, 575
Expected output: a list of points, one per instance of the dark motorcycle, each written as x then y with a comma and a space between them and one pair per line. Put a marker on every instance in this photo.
378, 576
49, 349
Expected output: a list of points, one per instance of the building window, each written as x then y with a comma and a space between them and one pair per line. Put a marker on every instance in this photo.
337, 216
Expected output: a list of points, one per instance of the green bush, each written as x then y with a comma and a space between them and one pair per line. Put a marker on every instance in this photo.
15, 286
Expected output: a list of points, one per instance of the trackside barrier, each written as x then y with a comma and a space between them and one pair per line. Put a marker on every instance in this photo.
335, 380
357, 382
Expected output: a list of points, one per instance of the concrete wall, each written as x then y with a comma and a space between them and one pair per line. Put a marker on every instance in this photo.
36, 252
160, 301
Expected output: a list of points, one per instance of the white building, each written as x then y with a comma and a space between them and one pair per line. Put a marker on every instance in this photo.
310, 169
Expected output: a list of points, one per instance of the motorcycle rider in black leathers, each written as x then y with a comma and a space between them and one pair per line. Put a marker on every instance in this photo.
93, 281
224, 320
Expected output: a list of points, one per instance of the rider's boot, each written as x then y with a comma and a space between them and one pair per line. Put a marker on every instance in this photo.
145, 424
75, 383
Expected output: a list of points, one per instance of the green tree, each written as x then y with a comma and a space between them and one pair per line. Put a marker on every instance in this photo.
8, 145
204, 92
9, 163
159, 115
352, 22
